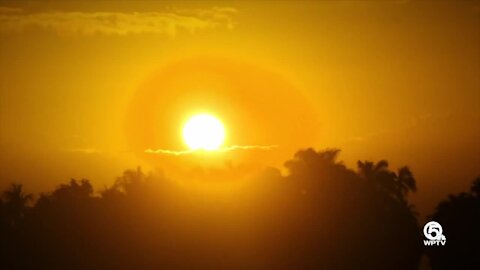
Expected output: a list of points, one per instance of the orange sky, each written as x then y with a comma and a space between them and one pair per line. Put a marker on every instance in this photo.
86, 87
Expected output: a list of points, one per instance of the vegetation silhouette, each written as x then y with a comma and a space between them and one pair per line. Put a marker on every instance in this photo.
459, 216
321, 214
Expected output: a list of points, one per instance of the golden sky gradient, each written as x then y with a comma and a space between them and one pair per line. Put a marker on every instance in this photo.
86, 88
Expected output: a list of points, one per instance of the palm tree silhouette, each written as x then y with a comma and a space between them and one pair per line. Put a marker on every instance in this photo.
396, 184
405, 181
15, 203
370, 171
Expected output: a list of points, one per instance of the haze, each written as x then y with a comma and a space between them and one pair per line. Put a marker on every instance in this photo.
86, 88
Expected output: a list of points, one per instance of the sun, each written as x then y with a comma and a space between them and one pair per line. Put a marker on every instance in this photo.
203, 132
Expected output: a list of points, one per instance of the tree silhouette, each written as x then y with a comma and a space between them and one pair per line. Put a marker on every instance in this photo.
15, 205
320, 214
334, 217
14, 227
475, 189
405, 181
459, 216
132, 182
397, 184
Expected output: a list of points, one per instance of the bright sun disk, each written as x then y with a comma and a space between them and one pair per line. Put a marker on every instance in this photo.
203, 132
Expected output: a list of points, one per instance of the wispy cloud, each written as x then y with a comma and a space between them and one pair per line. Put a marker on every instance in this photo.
224, 149
168, 23
168, 152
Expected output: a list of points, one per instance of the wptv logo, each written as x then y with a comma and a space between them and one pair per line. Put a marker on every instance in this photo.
434, 233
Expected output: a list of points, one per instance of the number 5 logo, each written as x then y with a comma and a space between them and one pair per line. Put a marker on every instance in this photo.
433, 230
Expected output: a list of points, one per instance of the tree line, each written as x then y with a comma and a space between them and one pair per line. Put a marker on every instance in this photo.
321, 214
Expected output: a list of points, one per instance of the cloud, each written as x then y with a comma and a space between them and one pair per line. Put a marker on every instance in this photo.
92, 150
168, 23
224, 149
168, 152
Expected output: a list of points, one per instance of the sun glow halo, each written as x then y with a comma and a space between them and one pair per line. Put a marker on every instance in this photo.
203, 132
